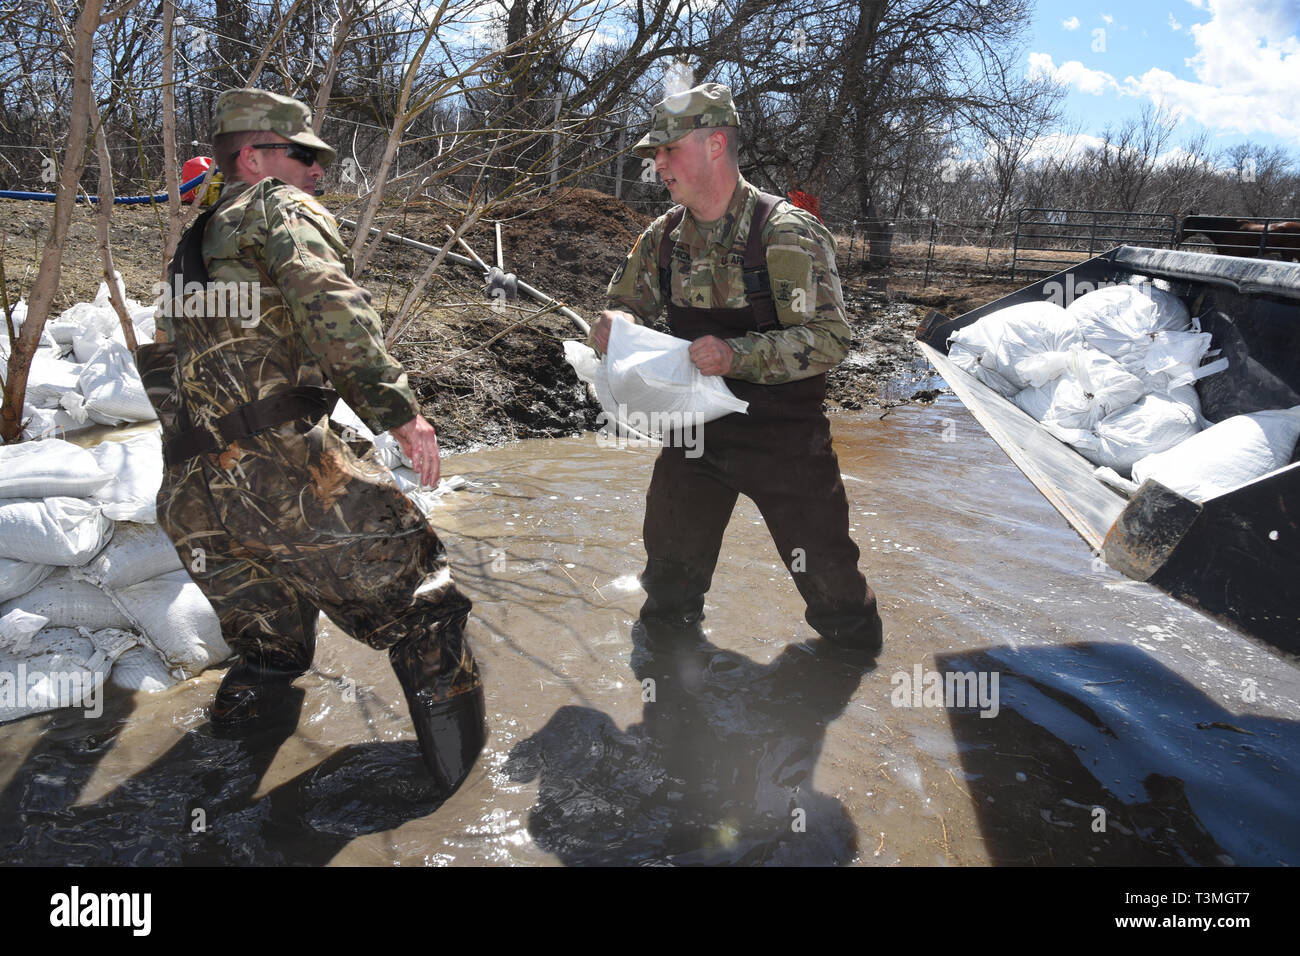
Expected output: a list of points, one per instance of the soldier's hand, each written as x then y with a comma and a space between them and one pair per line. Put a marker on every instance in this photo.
600, 329
420, 443
712, 356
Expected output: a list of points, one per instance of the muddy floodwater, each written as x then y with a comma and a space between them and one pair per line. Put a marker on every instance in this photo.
1105, 724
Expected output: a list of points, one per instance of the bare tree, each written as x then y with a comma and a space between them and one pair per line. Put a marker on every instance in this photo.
80, 45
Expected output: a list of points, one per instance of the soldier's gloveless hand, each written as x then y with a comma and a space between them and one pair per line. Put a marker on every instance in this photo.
711, 355
420, 443
600, 329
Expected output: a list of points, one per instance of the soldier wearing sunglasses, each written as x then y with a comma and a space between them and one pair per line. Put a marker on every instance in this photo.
288, 514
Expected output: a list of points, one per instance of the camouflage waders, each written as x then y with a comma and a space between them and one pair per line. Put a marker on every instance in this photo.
294, 519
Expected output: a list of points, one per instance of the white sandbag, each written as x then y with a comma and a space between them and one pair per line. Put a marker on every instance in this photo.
136, 467
56, 530
69, 602
1123, 320
17, 628
73, 321
968, 360
45, 468
176, 620
1153, 424
55, 422
18, 314
590, 368
137, 553
1091, 386
1187, 395
1225, 456
343, 415
19, 577
99, 326
992, 347
1174, 359
140, 669
67, 668
389, 451
142, 321
426, 499
648, 377
89, 326
1113, 478
52, 674
112, 386
50, 378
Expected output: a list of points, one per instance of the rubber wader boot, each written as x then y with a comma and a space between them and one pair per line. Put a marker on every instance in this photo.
253, 687
443, 691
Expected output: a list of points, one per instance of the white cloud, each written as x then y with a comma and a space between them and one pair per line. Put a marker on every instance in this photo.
1246, 68
1071, 24
1178, 155
1061, 146
1108, 18
1174, 24
1071, 73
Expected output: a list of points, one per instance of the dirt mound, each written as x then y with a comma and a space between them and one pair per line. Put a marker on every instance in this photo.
569, 244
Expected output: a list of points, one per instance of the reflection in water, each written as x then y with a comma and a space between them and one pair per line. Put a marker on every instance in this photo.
720, 770
195, 805
1106, 757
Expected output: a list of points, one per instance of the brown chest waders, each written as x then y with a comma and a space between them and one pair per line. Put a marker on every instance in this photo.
276, 517
779, 455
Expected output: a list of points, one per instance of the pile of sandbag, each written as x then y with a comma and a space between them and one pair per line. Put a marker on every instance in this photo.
1111, 375
82, 373
91, 589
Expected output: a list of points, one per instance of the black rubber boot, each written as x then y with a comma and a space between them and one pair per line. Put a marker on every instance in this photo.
267, 664
440, 678
249, 692
674, 593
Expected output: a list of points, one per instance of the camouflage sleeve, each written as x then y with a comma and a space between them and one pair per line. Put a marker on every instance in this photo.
814, 334
635, 286
307, 259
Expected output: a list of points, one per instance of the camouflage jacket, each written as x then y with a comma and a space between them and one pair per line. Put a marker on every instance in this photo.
706, 273
286, 312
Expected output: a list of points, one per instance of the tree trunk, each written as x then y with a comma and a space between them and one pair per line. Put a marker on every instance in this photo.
47, 280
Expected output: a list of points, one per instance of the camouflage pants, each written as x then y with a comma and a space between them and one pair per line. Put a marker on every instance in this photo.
294, 521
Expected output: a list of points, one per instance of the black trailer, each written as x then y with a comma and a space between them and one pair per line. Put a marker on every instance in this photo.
1235, 557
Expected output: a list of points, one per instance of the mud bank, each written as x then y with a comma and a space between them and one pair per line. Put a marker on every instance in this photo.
488, 376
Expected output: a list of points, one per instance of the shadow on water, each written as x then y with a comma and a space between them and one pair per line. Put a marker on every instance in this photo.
719, 771
195, 804
1099, 754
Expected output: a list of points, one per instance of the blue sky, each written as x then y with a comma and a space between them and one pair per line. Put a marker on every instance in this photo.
1231, 67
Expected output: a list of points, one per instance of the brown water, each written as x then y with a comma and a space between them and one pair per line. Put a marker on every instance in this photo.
1128, 729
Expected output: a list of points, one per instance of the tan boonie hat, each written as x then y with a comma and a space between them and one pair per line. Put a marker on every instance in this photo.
249, 110
707, 106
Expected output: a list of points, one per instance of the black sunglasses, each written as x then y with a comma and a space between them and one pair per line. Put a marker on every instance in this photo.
304, 154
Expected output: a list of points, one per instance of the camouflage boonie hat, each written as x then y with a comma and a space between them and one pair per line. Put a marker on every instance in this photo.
701, 107
248, 110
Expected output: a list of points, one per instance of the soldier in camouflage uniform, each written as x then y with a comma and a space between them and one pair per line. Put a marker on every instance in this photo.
278, 513
773, 339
